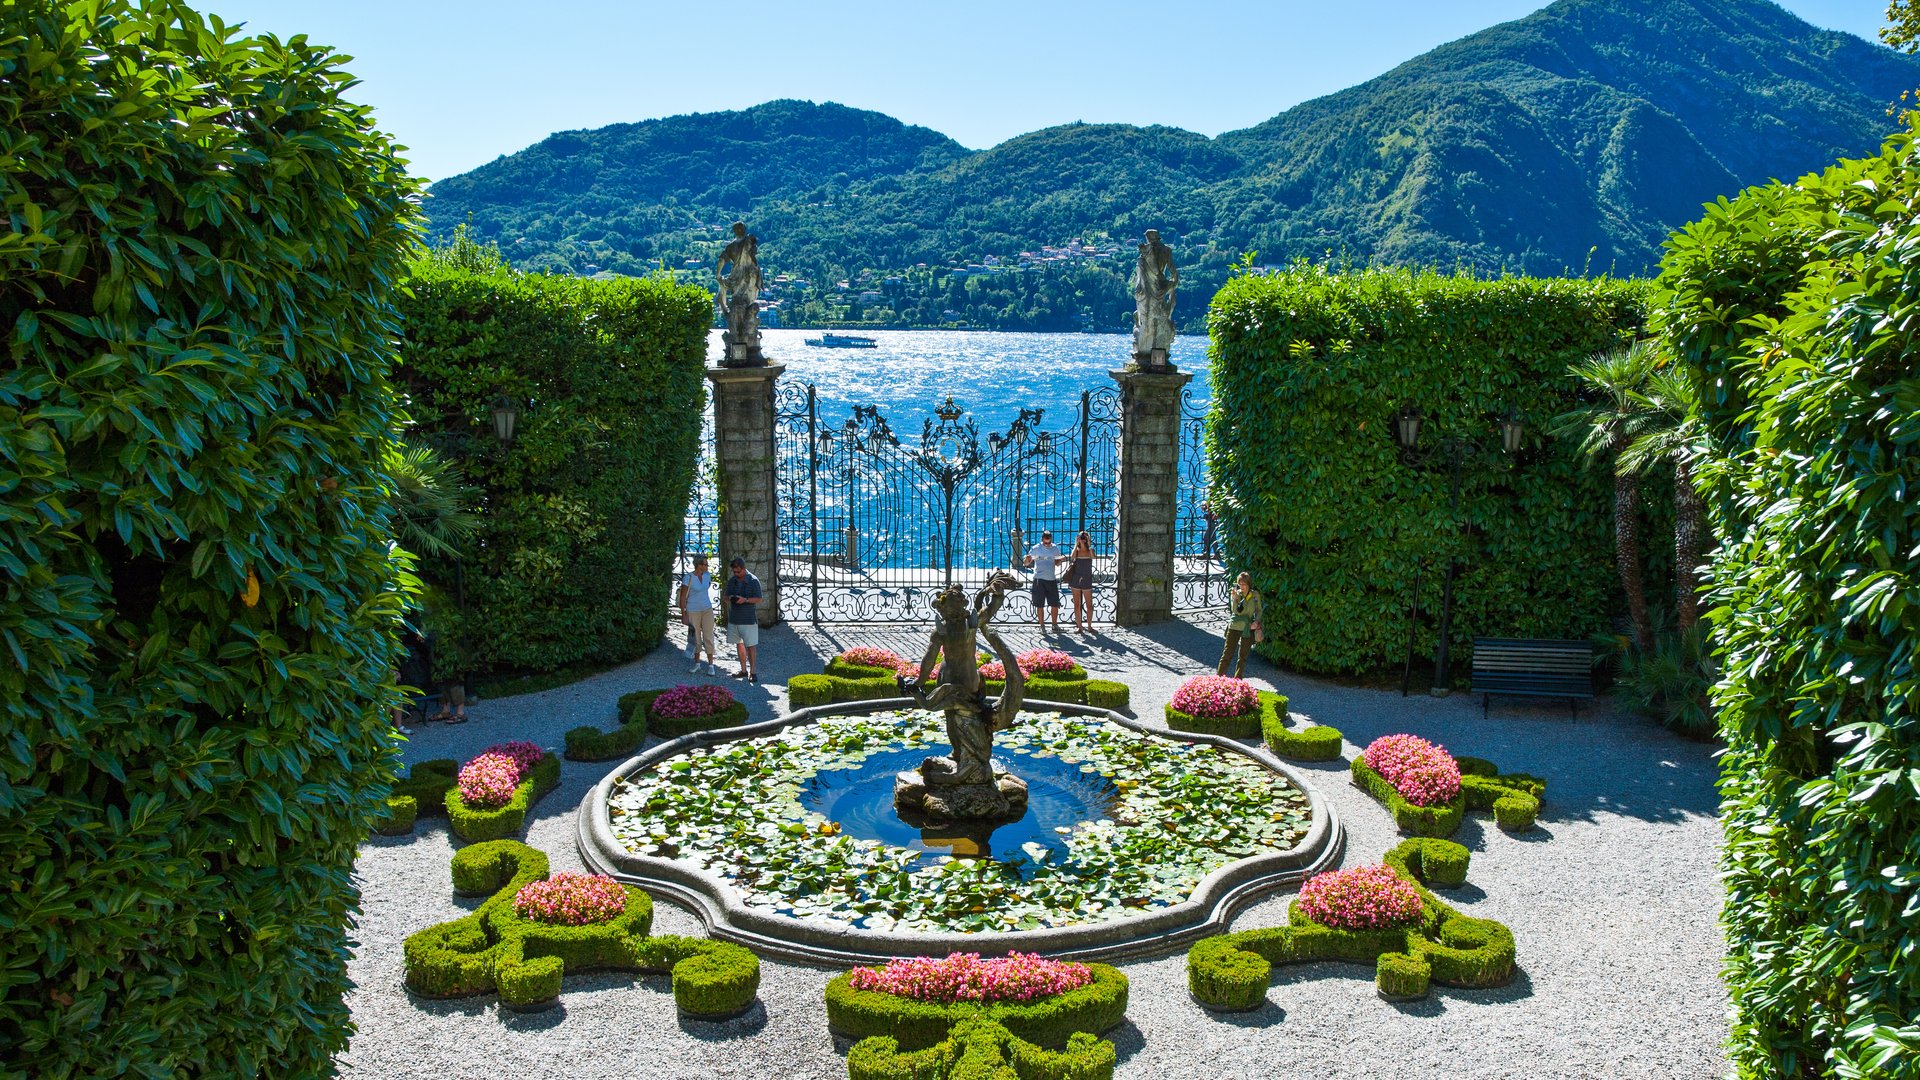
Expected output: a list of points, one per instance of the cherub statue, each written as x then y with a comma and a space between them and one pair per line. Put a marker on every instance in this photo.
971, 717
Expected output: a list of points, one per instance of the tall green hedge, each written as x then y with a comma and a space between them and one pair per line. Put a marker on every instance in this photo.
201, 242
1793, 308
1309, 368
582, 511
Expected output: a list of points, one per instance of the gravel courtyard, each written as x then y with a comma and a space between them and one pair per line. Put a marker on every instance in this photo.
1612, 900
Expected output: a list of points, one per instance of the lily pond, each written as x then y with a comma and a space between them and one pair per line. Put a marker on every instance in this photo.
802, 823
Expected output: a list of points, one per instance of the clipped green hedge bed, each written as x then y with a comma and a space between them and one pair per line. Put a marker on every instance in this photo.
1513, 798
588, 743
1313, 742
494, 949
475, 823
1094, 1008
845, 681
1229, 973
423, 790
979, 1049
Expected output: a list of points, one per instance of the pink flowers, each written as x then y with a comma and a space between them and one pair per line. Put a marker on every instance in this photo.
1048, 661
869, 656
1363, 898
1423, 774
1216, 697
966, 977
570, 899
683, 702
489, 779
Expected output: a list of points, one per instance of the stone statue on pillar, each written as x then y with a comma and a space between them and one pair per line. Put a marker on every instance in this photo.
1155, 278
738, 273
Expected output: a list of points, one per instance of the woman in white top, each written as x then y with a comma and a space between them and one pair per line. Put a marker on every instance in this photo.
696, 610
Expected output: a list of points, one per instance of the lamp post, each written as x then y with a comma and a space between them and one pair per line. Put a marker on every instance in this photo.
505, 415
1455, 450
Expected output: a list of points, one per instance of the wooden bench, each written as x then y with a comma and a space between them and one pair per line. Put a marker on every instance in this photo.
1532, 667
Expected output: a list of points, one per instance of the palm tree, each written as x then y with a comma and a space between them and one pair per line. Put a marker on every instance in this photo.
1606, 428
429, 500
1667, 435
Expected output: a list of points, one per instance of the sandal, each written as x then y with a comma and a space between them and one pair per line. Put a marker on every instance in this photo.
457, 718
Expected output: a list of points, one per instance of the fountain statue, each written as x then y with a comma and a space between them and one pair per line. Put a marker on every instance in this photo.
738, 274
969, 785
1155, 278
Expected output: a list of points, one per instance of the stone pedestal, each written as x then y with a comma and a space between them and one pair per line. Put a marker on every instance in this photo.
925, 793
744, 454
1149, 478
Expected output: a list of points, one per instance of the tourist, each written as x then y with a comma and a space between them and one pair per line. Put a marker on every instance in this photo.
1243, 626
1080, 580
1045, 560
696, 610
743, 618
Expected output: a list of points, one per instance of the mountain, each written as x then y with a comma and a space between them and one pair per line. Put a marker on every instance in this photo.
1575, 138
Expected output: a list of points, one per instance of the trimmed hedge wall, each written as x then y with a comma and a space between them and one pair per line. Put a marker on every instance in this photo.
1512, 798
1094, 1008
1790, 312
1229, 973
1309, 367
854, 682
493, 823
494, 949
583, 509
423, 789
1315, 742
983, 1050
732, 716
199, 250
587, 743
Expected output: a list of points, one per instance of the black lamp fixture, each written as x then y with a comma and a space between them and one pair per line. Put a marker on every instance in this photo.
1406, 427
504, 416
1512, 430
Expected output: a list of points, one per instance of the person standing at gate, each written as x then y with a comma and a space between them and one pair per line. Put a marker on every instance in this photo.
696, 610
1243, 626
1045, 560
743, 618
1080, 580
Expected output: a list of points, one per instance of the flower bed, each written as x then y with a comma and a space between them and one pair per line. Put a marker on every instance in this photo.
571, 899
1360, 898
860, 1011
1215, 705
524, 957
1229, 973
476, 805
869, 674
687, 709
422, 791
1181, 812
1513, 798
981, 1048
1046, 662
641, 718
1424, 774
871, 659
966, 977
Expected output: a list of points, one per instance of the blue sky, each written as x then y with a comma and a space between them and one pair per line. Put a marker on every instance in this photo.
462, 83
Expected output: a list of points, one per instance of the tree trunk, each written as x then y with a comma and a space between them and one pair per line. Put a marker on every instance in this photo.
1687, 510
1626, 550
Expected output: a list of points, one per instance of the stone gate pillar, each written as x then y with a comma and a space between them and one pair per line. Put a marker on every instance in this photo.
1149, 474
744, 455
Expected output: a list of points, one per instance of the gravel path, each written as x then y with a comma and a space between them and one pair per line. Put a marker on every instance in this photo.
1613, 901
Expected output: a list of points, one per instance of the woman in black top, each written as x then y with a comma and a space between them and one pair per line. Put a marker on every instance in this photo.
1080, 580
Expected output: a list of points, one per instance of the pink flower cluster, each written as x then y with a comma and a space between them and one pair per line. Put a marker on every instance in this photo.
1362, 898
1423, 774
570, 899
683, 701
869, 656
489, 779
1216, 696
966, 977
1051, 661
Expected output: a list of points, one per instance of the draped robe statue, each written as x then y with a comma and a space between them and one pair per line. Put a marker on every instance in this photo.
738, 274
1155, 277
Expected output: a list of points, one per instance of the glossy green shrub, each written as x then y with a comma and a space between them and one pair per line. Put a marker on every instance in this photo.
1513, 798
200, 244
1314, 742
980, 1049
494, 949
1229, 973
583, 508
588, 743
1095, 1008
493, 823
1790, 309
1309, 367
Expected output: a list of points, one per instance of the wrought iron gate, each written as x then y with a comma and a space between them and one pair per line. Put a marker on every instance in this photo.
1199, 566
873, 524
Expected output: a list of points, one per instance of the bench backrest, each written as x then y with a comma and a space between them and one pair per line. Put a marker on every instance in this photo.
1533, 656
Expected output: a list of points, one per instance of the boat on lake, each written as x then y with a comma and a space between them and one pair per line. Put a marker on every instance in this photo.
841, 341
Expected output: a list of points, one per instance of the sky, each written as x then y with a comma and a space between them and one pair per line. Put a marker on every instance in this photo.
460, 84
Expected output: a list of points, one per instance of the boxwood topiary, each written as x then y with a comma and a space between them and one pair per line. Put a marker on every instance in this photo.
588, 743
1096, 1007
1244, 726
732, 716
1514, 798
493, 823
980, 1049
495, 949
857, 682
1229, 973
1107, 694
1314, 742
199, 254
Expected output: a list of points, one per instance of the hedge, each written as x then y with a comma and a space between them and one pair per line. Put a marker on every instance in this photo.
660, 727
1513, 798
1309, 367
587, 743
1789, 309
854, 682
200, 241
1229, 973
424, 788
584, 507
493, 823
983, 1050
1314, 742
1094, 1008
495, 949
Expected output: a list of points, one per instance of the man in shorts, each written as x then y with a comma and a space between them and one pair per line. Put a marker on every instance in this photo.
1045, 560
743, 618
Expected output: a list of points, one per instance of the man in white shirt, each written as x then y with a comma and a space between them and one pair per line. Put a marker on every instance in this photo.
1045, 560
696, 610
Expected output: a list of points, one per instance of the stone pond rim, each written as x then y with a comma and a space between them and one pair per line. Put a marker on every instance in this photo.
1215, 901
